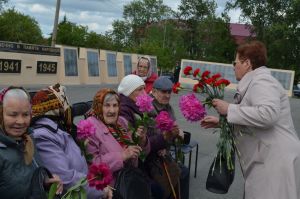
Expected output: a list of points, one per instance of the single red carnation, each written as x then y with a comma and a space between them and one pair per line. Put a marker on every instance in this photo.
196, 72
205, 74
197, 87
209, 81
216, 76
176, 88
187, 70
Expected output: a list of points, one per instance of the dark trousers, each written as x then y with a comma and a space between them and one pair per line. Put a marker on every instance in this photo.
184, 182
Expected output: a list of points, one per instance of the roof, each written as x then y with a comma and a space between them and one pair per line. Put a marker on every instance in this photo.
241, 30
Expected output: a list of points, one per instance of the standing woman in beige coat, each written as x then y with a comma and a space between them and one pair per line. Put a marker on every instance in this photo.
263, 128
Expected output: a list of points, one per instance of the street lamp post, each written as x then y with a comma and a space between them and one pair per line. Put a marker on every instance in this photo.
54, 33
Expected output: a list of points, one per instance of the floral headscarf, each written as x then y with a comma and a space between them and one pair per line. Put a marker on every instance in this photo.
28, 143
52, 101
117, 131
99, 100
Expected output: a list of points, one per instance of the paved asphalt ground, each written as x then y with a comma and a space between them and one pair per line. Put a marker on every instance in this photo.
206, 139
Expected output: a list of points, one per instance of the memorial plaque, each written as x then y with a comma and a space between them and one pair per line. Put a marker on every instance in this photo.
46, 67
10, 66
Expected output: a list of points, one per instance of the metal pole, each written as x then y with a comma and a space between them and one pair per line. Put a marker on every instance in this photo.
55, 23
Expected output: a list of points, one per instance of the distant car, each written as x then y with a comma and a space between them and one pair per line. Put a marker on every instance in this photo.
296, 91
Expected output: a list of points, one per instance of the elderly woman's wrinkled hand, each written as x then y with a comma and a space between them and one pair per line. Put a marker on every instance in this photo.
55, 179
131, 152
209, 122
175, 131
141, 132
221, 106
108, 192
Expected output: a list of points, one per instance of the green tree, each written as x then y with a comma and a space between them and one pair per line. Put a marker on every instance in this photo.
69, 33
121, 35
213, 41
207, 36
165, 41
192, 10
277, 24
17, 27
141, 13
94, 40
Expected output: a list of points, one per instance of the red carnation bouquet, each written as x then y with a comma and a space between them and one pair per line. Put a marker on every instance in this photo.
213, 85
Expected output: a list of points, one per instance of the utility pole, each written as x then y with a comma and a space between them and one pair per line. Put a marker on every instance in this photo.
55, 23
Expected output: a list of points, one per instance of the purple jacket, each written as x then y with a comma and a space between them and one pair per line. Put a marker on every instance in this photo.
60, 154
128, 110
105, 148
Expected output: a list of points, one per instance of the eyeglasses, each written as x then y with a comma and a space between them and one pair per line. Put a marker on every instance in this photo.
235, 62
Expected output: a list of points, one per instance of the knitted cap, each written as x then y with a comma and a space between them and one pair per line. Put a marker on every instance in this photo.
129, 83
163, 83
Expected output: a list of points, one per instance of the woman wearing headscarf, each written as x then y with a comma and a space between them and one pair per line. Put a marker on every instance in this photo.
58, 151
145, 71
264, 133
112, 143
17, 152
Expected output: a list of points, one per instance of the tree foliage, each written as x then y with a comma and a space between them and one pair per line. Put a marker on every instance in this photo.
277, 24
17, 27
69, 33
207, 36
141, 13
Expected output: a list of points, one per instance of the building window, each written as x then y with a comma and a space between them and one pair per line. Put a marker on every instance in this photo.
283, 77
111, 64
93, 63
70, 56
127, 64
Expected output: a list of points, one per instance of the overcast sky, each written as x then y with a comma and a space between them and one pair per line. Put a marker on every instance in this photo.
98, 15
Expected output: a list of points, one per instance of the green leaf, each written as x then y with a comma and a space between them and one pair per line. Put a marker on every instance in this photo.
83, 194
75, 195
52, 191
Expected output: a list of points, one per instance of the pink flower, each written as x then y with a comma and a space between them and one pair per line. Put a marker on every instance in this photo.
85, 129
191, 108
144, 102
164, 122
99, 176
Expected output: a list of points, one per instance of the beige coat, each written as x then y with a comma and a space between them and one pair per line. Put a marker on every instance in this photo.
265, 137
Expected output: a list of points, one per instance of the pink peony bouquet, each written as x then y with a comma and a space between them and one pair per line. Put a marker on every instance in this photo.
85, 129
164, 122
144, 102
191, 108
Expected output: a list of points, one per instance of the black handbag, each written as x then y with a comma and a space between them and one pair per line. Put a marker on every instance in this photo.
219, 177
131, 183
37, 188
